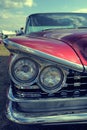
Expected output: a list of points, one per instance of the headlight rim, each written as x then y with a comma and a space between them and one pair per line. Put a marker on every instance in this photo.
58, 86
17, 58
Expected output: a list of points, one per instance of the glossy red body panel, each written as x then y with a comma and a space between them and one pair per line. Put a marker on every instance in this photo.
65, 44
79, 42
77, 38
49, 46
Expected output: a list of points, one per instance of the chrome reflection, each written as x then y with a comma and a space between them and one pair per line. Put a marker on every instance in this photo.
26, 118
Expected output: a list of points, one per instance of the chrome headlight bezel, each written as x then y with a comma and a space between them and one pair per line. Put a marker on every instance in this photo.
56, 87
17, 80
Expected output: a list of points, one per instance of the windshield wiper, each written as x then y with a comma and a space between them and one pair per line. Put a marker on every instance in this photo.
48, 29
51, 29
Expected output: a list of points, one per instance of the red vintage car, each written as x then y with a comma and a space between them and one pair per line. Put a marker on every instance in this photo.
48, 70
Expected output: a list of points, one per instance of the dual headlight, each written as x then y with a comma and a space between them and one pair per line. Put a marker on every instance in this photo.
51, 78
25, 71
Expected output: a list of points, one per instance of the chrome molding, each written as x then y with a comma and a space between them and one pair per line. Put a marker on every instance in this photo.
25, 118
27, 100
79, 116
20, 48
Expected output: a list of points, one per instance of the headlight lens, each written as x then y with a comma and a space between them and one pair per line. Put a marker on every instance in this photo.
24, 70
51, 78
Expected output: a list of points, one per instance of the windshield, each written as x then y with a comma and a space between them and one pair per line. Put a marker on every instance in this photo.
41, 22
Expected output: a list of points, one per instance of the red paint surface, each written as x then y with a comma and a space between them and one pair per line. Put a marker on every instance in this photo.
79, 43
53, 47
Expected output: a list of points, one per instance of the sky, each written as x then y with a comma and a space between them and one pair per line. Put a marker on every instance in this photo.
13, 13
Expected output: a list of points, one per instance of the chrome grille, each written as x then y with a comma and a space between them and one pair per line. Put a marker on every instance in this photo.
76, 80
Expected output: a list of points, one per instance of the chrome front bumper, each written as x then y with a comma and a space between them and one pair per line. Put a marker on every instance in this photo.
61, 116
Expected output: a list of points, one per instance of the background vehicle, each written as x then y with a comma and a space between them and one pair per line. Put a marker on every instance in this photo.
48, 70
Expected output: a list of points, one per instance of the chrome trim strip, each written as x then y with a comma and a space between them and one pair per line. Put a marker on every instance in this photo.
25, 118
21, 100
20, 48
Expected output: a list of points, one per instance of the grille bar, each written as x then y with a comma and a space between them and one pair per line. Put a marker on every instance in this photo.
76, 79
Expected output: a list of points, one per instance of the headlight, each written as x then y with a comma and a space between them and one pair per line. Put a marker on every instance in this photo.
24, 71
51, 78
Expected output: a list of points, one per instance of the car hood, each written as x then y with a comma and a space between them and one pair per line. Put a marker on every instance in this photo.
65, 47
